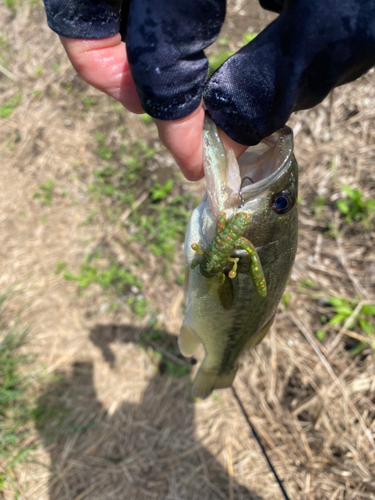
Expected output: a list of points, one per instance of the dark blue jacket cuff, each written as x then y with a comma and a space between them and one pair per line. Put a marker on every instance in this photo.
86, 19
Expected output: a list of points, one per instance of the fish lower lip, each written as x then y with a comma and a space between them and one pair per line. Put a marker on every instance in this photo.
243, 253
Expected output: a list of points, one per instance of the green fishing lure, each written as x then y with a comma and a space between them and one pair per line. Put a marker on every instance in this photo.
218, 253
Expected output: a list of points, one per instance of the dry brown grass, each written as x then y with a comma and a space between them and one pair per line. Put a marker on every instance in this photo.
128, 433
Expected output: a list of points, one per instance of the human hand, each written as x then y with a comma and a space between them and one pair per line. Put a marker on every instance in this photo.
104, 64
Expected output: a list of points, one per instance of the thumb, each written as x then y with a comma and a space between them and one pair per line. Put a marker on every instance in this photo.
184, 140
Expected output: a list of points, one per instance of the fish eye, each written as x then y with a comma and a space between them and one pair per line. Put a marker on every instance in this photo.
282, 202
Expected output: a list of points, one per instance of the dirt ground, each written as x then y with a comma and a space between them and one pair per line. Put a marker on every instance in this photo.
116, 424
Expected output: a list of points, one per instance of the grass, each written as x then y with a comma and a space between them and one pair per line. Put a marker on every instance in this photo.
355, 209
7, 108
165, 353
114, 279
160, 192
7, 53
224, 52
163, 225
16, 406
342, 310
45, 192
160, 223
352, 207
117, 183
111, 276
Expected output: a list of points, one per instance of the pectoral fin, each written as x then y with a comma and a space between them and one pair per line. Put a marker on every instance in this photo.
225, 292
187, 341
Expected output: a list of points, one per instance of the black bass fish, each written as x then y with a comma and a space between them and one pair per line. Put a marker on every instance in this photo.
240, 247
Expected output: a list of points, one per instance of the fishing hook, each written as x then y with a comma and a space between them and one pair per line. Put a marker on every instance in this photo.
247, 177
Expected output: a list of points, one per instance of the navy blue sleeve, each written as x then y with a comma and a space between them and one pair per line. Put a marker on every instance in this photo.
165, 42
312, 47
87, 19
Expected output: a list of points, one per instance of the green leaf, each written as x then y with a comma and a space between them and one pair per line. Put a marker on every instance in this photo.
286, 299
343, 206
146, 118
321, 334
337, 319
354, 194
368, 309
344, 311
218, 59
161, 191
369, 204
337, 302
359, 348
248, 37
366, 326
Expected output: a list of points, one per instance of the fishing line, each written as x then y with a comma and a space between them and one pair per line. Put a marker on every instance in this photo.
247, 177
260, 444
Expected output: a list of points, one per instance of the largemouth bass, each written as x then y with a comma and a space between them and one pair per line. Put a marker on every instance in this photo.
239, 249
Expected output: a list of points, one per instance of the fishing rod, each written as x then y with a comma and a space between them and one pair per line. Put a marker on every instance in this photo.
278, 480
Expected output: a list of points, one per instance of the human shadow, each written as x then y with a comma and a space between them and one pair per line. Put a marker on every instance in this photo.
139, 451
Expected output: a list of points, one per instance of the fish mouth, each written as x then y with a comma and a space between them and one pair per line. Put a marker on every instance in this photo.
261, 165
231, 184
242, 253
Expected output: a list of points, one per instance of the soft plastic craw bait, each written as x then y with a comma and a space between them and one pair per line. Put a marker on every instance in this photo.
218, 253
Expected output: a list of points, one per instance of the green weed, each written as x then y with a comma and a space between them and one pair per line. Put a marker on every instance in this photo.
168, 345
118, 184
249, 37
161, 191
16, 408
146, 118
176, 370
103, 151
355, 208
7, 108
44, 195
180, 279
218, 58
157, 225
286, 298
163, 226
319, 205
342, 310
321, 334
60, 266
90, 217
88, 102
7, 52
306, 283
139, 306
56, 67
111, 276
39, 70
11, 4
